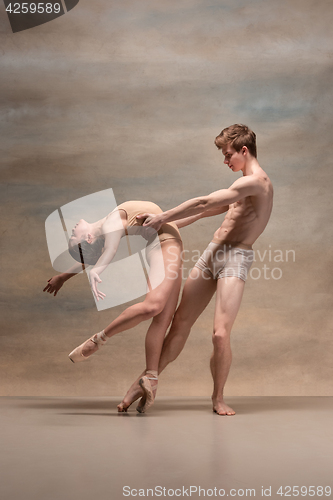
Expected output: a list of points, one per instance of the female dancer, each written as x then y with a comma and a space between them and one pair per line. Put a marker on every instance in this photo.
96, 244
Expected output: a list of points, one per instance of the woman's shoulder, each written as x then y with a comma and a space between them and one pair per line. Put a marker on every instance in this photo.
114, 220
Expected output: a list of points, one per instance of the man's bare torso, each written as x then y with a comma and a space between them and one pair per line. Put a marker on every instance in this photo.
246, 219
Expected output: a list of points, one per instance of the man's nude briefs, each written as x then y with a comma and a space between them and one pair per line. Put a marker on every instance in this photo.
224, 260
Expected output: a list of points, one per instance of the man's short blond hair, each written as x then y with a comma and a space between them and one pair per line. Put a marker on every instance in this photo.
237, 136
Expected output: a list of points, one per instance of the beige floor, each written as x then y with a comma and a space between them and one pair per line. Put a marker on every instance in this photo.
63, 448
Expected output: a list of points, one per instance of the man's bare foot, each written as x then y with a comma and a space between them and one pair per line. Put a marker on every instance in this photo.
221, 408
134, 392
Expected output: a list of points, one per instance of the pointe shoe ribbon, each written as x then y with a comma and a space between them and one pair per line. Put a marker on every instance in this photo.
148, 390
76, 355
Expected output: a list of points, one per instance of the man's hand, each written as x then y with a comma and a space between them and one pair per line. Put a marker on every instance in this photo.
94, 279
54, 284
152, 220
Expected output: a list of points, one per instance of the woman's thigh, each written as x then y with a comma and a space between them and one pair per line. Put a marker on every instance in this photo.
165, 273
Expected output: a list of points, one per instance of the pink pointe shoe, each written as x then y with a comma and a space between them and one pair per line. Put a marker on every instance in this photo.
76, 356
148, 390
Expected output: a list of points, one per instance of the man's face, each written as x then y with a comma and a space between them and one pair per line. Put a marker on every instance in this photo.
234, 160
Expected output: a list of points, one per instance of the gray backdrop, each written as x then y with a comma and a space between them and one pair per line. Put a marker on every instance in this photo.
130, 95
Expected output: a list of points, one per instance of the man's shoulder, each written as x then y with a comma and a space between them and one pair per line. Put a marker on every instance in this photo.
261, 178
255, 184
263, 183
248, 180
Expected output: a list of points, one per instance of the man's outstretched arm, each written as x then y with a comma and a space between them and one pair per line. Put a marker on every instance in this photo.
209, 213
245, 186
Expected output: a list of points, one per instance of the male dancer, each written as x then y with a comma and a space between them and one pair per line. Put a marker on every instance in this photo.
224, 264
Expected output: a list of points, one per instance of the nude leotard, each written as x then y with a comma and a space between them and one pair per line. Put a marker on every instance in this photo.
133, 208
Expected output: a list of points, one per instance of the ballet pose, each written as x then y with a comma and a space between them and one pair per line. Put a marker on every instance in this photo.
224, 265
96, 244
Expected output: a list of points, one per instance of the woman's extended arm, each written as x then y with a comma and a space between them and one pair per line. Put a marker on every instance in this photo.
55, 283
113, 229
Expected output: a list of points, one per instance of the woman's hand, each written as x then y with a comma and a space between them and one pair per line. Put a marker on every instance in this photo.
94, 279
54, 284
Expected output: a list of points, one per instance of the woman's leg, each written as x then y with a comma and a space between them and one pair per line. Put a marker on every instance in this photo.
156, 298
198, 291
160, 323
